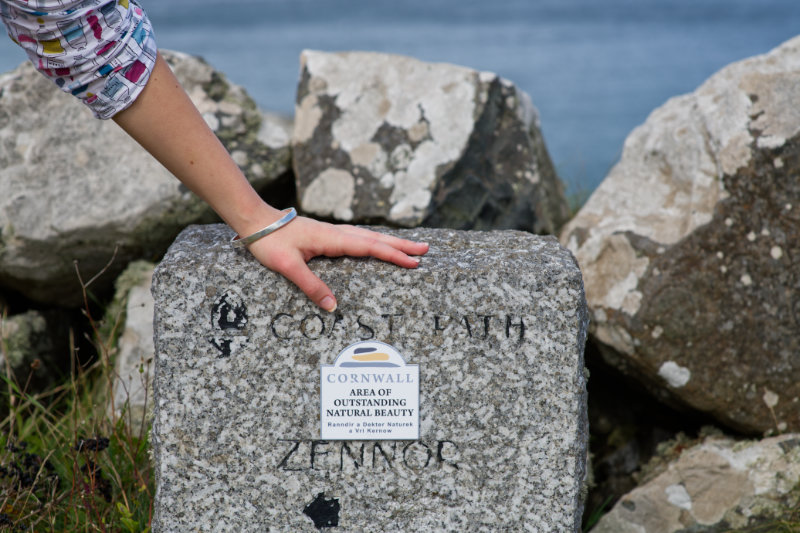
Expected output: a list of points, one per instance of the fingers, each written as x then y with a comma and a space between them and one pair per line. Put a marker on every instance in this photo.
361, 242
384, 252
404, 245
354, 245
298, 273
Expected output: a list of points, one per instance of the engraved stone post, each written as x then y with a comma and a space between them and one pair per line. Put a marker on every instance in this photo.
496, 322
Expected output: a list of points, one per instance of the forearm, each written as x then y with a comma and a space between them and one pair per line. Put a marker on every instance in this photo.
166, 123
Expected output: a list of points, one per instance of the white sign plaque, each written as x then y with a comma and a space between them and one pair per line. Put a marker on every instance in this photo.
369, 393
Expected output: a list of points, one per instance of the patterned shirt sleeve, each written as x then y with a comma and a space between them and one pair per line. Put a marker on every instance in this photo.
100, 51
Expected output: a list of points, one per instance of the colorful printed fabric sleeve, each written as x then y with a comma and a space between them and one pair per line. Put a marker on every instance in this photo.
100, 51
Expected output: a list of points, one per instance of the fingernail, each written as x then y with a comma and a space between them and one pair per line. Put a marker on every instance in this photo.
328, 304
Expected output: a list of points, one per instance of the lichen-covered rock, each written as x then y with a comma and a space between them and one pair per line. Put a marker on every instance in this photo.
392, 139
74, 188
690, 249
36, 346
718, 485
133, 303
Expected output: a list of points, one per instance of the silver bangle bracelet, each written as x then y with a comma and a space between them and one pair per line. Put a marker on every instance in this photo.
240, 242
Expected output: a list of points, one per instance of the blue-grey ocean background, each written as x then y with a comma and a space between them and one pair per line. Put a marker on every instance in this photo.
594, 68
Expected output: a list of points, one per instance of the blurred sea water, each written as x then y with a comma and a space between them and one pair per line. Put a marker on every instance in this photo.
594, 69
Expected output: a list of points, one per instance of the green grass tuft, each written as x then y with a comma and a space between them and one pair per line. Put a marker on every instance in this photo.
68, 462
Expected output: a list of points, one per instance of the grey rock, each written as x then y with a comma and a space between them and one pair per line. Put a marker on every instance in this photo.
718, 485
390, 139
75, 188
690, 248
134, 355
496, 322
35, 346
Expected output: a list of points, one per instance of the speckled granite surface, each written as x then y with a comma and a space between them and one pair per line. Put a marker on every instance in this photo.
497, 323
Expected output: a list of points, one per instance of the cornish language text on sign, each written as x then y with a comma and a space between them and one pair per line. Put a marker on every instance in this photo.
369, 393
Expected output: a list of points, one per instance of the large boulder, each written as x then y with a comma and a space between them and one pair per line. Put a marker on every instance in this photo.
717, 485
75, 188
390, 139
690, 248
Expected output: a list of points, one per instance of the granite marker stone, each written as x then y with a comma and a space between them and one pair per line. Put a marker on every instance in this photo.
496, 322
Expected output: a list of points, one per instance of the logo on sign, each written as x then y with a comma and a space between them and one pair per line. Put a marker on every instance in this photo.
369, 393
